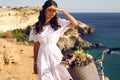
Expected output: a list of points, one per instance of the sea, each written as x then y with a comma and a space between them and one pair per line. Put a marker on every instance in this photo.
107, 32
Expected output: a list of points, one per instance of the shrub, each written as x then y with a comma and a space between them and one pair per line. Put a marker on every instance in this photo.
20, 35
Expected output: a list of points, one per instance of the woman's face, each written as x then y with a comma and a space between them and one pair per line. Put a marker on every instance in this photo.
50, 12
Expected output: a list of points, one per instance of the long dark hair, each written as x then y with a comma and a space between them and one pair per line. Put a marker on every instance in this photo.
41, 19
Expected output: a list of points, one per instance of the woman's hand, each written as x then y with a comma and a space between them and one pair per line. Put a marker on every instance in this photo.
59, 9
35, 69
73, 21
56, 9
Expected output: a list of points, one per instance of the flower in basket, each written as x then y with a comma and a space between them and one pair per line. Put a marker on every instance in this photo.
77, 58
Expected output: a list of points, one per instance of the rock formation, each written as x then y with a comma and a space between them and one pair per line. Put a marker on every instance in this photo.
20, 18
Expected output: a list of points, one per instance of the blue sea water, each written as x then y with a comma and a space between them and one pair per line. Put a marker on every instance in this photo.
107, 31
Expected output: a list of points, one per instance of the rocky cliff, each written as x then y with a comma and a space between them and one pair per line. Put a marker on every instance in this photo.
18, 18
22, 17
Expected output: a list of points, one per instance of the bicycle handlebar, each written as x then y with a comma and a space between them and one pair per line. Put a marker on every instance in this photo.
109, 51
114, 48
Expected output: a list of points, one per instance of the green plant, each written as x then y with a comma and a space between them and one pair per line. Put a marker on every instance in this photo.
21, 34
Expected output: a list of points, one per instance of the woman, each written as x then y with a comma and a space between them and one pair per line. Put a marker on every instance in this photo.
45, 34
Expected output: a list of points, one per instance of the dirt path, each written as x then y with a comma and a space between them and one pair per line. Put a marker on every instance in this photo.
23, 69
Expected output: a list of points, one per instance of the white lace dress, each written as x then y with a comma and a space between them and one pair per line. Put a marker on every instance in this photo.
49, 55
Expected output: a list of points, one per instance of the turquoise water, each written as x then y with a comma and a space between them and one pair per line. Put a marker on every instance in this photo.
107, 28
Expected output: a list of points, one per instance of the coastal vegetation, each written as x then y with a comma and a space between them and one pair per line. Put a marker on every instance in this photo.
20, 35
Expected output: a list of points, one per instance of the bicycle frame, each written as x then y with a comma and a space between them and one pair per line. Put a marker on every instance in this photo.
99, 62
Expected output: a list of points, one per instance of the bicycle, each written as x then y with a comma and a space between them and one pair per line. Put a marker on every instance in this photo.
99, 62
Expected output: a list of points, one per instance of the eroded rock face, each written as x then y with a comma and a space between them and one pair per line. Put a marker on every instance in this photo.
84, 28
26, 16
71, 40
22, 17
18, 18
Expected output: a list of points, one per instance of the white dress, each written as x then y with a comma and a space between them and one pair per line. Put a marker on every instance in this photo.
49, 55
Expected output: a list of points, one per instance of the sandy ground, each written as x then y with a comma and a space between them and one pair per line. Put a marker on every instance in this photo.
22, 70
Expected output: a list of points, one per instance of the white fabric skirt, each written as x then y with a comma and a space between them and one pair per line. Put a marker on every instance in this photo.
48, 64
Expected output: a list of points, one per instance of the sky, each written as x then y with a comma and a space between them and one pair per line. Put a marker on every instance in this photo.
71, 5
